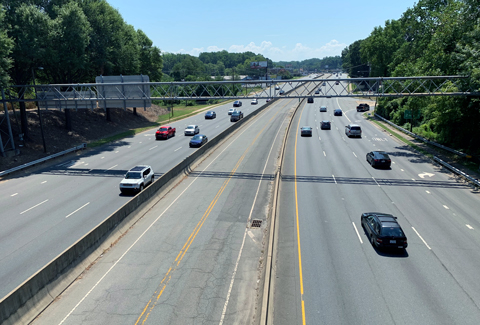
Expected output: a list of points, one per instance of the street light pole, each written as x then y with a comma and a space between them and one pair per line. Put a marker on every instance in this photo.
38, 109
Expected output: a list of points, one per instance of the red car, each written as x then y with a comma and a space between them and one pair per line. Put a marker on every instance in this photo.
165, 132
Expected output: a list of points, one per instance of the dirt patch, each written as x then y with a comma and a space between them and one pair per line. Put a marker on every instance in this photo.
87, 125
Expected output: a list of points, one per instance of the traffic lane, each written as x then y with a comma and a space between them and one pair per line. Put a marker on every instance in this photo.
318, 209
211, 257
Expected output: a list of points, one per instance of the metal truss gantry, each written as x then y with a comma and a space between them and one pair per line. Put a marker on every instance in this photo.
138, 94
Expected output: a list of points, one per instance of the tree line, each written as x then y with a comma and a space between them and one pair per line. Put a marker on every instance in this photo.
433, 38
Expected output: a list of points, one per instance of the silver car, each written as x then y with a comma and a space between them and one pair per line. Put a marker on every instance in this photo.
353, 130
192, 130
323, 108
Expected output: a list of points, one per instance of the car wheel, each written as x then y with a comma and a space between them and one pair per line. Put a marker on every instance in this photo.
141, 188
372, 241
153, 179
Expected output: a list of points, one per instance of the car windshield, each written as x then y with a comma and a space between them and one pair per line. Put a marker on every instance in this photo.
163, 129
355, 128
392, 232
133, 175
197, 137
382, 155
190, 127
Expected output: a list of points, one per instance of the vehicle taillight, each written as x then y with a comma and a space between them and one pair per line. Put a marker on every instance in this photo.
377, 159
379, 240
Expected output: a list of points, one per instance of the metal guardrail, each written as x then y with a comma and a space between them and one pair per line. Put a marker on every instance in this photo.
457, 171
41, 160
440, 161
458, 153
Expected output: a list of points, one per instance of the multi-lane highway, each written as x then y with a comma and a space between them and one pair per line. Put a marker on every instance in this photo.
45, 212
327, 271
194, 257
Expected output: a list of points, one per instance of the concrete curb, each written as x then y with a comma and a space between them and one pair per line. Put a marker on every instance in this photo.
26, 301
266, 315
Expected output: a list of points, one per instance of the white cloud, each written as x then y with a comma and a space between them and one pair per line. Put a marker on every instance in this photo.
298, 52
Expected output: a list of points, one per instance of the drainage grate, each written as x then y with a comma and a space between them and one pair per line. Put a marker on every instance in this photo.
256, 223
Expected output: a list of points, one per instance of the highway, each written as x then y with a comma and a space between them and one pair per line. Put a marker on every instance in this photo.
327, 271
194, 257
46, 211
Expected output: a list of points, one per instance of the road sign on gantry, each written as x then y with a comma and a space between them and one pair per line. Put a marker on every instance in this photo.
116, 92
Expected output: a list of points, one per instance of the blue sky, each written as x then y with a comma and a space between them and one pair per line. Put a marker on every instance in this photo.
280, 30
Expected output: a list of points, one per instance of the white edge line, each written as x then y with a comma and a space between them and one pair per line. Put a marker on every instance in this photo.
421, 238
356, 230
34, 206
78, 209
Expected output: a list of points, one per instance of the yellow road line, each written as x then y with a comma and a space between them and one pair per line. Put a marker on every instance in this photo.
298, 228
151, 304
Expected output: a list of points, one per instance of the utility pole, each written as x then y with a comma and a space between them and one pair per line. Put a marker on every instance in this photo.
38, 109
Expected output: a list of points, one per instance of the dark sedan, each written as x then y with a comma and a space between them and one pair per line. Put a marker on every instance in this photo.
210, 115
379, 159
236, 116
237, 103
198, 140
383, 230
337, 112
325, 125
306, 131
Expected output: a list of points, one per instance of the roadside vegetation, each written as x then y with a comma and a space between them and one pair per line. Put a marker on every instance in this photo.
434, 38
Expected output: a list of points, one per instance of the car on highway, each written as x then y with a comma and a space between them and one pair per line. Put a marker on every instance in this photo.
317, 92
254, 101
136, 179
325, 125
306, 131
337, 82
310, 100
236, 116
237, 103
165, 132
192, 130
198, 140
379, 159
268, 99
277, 87
231, 110
324, 84
323, 108
281, 92
337, 112
210, 115
353, 130
383, 230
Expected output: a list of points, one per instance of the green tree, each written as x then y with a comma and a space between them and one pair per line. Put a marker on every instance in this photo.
6, 46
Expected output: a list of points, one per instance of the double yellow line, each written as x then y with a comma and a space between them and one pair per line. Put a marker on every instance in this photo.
168, 276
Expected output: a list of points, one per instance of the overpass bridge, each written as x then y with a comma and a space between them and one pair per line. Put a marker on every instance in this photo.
141, 94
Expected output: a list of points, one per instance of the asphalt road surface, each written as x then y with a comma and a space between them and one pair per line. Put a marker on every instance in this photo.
194, 257
327, 272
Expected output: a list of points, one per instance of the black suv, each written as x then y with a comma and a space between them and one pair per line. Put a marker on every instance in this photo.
383, 230
237, 103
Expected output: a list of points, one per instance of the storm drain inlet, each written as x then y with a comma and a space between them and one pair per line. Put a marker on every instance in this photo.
256, 223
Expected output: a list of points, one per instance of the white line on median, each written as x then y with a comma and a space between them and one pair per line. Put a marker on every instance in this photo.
421, 238
177, 149
356, 230
78, 209
34, 206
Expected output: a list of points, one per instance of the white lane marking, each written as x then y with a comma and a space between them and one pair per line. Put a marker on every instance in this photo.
14, 194
78, 209
148, 228
152, 148
319, 139
33, 206
111, 167
428, 192
425, 174
43, 182
413, 179
252, 236
217, 126
446, 207
354, 154
317, 127
469, 227
129, 147
421, 238
102, 158
356, 230
177, 149
402, 170
334, 179
336, 128
393, 162
117, 151
243, 242
375, 181
324, 154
